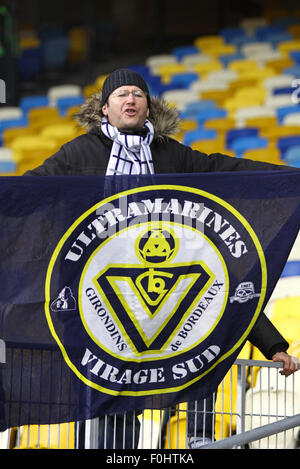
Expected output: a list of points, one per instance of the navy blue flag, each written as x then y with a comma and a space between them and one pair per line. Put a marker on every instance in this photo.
124, 293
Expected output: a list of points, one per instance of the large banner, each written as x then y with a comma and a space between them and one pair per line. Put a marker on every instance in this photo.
123, 293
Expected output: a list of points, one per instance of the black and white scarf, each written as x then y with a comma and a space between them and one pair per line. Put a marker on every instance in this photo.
130, 154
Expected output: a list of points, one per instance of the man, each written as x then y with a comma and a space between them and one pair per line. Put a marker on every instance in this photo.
130, 133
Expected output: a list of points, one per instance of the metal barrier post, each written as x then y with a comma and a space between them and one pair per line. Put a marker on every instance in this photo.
241, 393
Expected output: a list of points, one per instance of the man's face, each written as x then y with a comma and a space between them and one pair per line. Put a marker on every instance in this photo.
127, 108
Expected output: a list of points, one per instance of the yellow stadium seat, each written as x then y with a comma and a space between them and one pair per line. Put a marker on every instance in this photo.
55, 436
288, 46
208, 41
212, 146
221, 124
89, 90
243, 65
78, 44
280, 64
232, 104
71, 111
204, 68
166, 71
219, 96
286, 308
30, 152
267, 155
61, 133
257, 93
10, 134
151, 423
261, 122
100, 80
257, 75
216, 50
244, 81
278, 131
35, 115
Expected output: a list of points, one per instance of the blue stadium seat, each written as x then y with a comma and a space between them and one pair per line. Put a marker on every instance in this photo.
285, 110
22, 122
295, 70
8, 166
184, 79
199, 134
227, 58
291, 269
292, 155
235, 134
284, 143
209, 113
295, 55
240, 145
63, 104
181, 51
30, 102
55, 52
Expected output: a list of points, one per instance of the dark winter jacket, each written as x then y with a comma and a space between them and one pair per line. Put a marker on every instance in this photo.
88, 155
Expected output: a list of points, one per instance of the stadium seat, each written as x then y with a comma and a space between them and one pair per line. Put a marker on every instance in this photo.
210, 113
241, 145
155, 61
180, 98
190, 60
253, 112
199, 134
210, 146
277, 101
9, 124
292, 155
61, 133
30, 102
10, 113
266, 155
182, 51
278, 81
63, 104
29, 152
265, 122
206, 42
62, 91
234, 134
78, 44
54, 436
292, 119
284, 143
184, 79
203, 68
286, 110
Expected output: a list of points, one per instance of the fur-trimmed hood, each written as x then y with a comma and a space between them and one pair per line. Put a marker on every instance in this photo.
164, 118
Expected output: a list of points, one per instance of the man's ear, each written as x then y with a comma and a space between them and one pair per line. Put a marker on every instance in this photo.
104, 109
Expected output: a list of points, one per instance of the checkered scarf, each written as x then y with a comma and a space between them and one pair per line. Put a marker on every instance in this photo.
130, 154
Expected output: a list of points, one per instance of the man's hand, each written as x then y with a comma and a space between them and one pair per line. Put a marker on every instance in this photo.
290, 364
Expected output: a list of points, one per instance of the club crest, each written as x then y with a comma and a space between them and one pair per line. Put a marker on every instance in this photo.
150, 275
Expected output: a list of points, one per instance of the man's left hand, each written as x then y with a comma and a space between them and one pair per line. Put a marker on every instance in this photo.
290, 364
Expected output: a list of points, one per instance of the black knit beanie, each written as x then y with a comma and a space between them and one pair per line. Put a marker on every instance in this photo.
123, 77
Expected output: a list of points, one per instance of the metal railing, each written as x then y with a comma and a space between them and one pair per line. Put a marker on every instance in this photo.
254, 407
